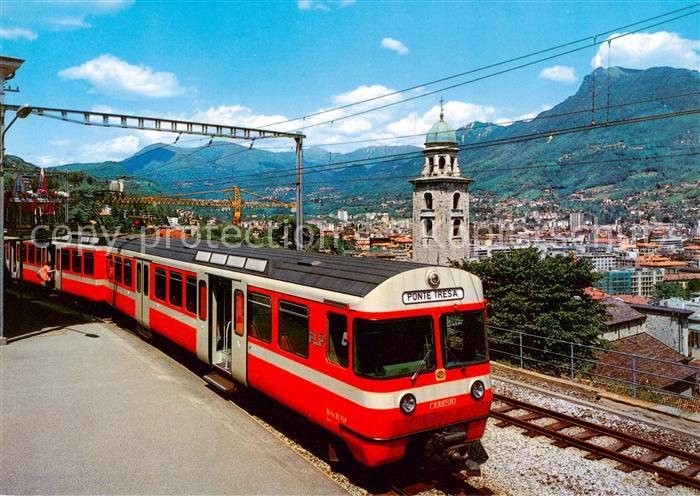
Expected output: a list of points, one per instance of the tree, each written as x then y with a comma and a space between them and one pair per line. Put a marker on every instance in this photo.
542, 298
694, 286
665, 290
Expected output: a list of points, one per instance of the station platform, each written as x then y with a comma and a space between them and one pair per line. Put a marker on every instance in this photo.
89, 408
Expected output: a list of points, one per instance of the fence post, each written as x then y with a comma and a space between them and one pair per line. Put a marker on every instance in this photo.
520, 336
634, 376
571, 346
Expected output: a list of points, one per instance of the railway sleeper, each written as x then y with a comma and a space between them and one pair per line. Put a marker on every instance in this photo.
617, 446
650, 457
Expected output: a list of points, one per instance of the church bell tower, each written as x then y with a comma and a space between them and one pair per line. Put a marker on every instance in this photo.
440, 201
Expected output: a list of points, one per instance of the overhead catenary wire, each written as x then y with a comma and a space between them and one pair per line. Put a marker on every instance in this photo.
479, 126
471, 71
524, 167
482, 78
491, 66
484, 144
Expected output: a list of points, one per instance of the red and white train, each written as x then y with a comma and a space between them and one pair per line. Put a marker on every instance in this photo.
381, 354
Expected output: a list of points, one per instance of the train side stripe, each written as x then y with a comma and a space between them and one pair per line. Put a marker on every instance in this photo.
367, 399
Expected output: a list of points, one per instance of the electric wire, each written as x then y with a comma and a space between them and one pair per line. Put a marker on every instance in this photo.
480, 126
343, 165
489, 66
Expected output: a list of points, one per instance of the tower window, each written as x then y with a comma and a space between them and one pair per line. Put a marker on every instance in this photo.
428, 197
441, 163
428, 228
455, 201
457, 228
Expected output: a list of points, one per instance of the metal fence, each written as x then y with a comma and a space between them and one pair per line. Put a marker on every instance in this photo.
639, 376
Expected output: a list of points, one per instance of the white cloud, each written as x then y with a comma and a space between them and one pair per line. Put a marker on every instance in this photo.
17, 34
108, 6
365, 92
67, 23
457, 114
559, 74
111, 75
644, 50
323, 4
311, 5
235, 115
59, 142
394, 45
507, 121
114, 149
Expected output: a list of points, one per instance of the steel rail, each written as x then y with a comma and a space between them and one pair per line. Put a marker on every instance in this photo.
657, 451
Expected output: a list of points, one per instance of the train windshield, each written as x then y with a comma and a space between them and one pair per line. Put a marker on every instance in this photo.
463, 338
385, 349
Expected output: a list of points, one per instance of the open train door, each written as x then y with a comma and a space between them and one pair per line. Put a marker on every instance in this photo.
227, 327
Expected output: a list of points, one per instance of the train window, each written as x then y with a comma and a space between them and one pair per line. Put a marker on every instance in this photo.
203, 300
239, 312
337, 350
76, 261
463, 338
30, 254
260, 317
159, 292
65, 259
89, 263
118, 264
191, 294
128, 273
138, 277
175, 289
110, 268
294, 328
385, 349
146, 279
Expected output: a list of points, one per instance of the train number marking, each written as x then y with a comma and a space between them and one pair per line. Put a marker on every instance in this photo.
338, 417
430, 295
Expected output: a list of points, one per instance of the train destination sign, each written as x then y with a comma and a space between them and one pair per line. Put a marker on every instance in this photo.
430, 295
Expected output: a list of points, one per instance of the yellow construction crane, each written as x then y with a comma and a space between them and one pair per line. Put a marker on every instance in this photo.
234, 201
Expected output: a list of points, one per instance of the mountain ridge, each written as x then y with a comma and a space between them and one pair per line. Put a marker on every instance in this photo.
619, 94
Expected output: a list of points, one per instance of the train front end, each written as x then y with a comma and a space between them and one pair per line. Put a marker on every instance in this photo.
421, 371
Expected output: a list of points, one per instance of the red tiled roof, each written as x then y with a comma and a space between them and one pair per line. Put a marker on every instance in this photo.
634, 299
650, 371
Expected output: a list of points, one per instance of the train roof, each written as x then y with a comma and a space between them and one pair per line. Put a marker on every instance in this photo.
354, 276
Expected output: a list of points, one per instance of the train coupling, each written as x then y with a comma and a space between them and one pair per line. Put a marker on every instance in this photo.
447, 450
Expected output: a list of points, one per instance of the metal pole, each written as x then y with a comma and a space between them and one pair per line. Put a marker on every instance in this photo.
3, 339
520, 335
634, 376
65, 204
299, 231
572, 359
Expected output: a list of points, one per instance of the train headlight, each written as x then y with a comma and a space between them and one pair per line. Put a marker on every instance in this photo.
433, 279
407, 403
478, 390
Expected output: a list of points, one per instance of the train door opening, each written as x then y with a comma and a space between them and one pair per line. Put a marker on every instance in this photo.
221, 299
227, 326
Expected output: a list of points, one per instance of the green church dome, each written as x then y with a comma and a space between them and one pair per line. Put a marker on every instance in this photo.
440, 133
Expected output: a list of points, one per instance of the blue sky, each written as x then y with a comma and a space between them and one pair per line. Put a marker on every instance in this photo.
251, 63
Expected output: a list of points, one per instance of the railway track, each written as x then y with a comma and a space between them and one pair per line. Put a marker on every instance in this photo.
453, 484
632, 452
